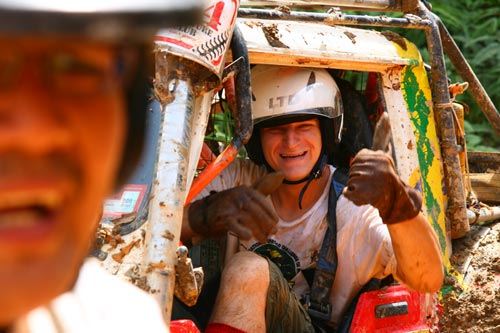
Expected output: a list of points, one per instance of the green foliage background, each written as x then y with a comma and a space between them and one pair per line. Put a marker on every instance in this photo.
474, 25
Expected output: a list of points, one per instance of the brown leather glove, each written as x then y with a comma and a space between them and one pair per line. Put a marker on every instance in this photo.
242, 210
373, 180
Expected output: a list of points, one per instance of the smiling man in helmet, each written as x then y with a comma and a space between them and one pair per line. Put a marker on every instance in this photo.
297, 117
73, 92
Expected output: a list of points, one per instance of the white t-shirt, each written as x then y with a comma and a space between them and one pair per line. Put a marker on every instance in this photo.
99, 303
363, 243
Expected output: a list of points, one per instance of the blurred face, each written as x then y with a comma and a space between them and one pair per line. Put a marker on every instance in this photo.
62, 127
292, 148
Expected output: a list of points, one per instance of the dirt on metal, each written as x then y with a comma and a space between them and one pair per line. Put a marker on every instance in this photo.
474, 306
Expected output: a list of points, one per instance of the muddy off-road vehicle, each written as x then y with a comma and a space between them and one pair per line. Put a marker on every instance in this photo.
201, 117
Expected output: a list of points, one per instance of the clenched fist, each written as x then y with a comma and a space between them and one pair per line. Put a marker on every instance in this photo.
373, 180
242, 210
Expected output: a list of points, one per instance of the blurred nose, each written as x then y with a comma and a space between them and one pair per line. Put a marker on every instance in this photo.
290, 137
30, 118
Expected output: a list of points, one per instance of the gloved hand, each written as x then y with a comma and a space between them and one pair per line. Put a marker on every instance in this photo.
242, 210
373, 180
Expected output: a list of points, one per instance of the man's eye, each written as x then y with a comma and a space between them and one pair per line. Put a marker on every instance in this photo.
69, 65
306, 127
71, 75
274, 131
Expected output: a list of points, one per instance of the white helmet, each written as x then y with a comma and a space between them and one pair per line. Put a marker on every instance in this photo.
132, 20
286, 94
279, 91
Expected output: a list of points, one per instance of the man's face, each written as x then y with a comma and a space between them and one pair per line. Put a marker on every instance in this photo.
292, 148
62, 127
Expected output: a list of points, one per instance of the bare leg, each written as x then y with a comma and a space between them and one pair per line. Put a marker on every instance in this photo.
241, 301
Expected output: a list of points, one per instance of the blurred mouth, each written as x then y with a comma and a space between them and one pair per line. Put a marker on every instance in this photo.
27, 215
33, 196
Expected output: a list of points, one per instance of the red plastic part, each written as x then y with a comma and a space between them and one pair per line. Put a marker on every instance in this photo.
391, 298
183, 326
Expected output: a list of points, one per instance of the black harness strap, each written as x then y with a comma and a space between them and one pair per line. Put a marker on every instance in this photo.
318, 303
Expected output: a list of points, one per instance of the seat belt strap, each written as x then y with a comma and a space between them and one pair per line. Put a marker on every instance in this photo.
318, 305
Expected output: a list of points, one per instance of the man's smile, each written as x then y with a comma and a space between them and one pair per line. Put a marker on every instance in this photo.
30, 215
32, 198
23, 207
293, 155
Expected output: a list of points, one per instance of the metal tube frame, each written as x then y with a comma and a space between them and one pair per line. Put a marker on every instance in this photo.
170, 183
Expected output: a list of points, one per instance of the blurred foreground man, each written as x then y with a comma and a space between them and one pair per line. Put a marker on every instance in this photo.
73, 87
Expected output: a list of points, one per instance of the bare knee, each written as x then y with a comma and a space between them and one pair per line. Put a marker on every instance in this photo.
241, 301
246, 266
